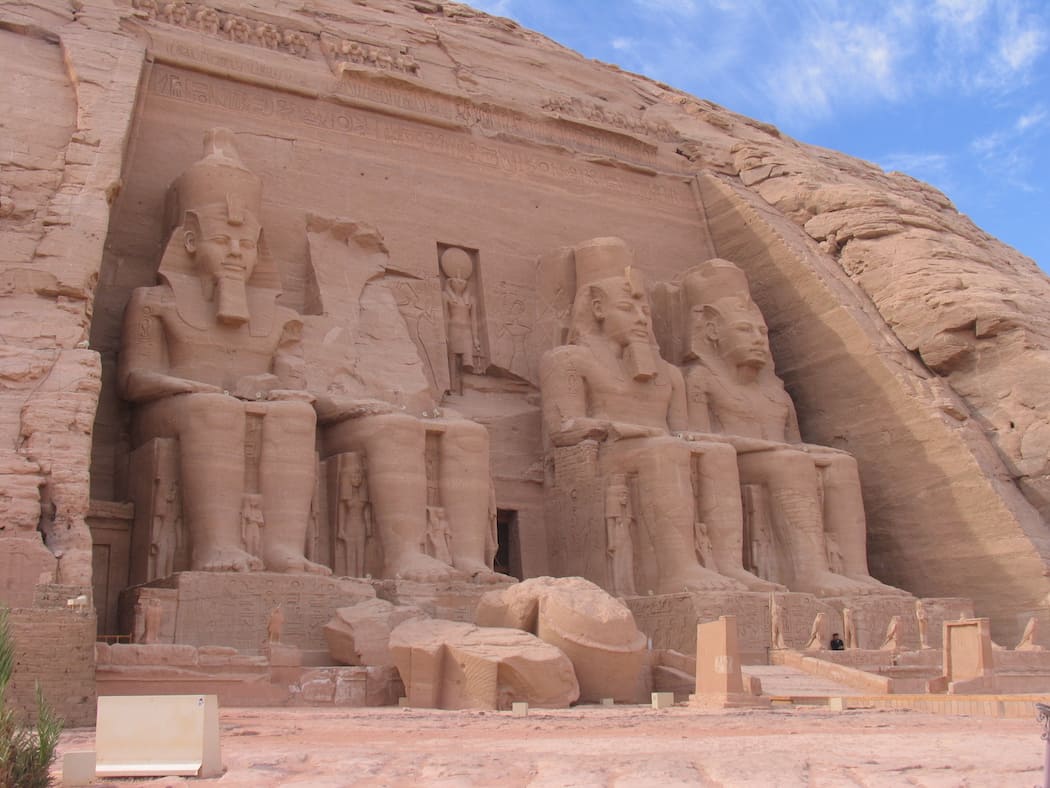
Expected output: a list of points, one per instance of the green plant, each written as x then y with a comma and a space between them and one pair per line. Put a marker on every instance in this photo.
26, 751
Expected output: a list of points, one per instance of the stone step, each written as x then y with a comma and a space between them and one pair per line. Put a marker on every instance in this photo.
780, 680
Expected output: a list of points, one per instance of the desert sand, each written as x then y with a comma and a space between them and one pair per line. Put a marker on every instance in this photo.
619, 746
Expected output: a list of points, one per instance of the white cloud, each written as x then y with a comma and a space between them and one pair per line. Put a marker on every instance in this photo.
622, 44
1031, 119
680, 7
835, 63
494, 7
921, 165
1020, 49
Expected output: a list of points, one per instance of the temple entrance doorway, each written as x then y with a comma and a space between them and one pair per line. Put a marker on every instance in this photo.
508, 544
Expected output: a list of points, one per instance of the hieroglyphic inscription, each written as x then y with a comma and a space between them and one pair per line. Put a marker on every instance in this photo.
510, 161
415, 98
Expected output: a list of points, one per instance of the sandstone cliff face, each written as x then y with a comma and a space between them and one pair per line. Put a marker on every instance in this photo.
906, 335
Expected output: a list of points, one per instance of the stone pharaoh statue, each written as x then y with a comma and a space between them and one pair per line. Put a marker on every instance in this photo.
733, 390
610, 385
209, 358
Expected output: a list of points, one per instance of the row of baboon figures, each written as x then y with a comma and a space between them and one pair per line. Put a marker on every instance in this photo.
213, 363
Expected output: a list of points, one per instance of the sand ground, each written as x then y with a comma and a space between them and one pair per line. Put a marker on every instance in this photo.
618, 746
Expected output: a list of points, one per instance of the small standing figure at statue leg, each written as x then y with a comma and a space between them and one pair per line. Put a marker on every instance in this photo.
619, 529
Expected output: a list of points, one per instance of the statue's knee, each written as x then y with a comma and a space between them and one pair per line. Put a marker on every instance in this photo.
468, 436
216, 412
292, 418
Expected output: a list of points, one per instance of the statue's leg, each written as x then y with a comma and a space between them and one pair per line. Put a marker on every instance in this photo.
719, 506
287, 473
394, 446
464, 486
211, 466
665, 492
844, 515
793, 485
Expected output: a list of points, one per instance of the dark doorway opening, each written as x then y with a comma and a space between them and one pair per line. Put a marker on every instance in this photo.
508, 544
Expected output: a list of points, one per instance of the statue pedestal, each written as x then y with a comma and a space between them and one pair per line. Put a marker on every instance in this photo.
232, 609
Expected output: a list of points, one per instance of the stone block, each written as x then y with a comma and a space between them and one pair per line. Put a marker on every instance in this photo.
451, 665
662, 700
129, 741
596, 632
78, 768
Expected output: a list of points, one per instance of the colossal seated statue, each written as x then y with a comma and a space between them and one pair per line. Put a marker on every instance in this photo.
732, 390
210, 359
610, 387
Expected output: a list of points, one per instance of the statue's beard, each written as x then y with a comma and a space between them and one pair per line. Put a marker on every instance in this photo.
231, 297
640, 359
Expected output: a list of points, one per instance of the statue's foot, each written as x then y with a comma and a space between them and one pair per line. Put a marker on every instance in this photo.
831, 584
227, 559
293, 563
418, 567
697, 578
753, 582
478, 572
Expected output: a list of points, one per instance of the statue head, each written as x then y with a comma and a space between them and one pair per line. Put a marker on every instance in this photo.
611, 302
219, 200
353, 469
738, 333
722, 317
458, 267
617, 493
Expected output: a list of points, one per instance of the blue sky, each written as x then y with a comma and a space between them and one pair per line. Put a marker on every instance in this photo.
953, 92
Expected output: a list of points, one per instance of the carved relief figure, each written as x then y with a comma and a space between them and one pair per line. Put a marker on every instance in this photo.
892, 641
776, 622
849, 629
702, 545
353, 520
252, 525
1027, 642
165, 539
437, 542
206, 349
619, 529
609, 385
733, 391
923, 621
275, 625
818, 634
461, 320
151, 611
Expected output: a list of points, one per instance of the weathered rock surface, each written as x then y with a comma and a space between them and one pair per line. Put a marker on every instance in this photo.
596, 631
452, 665
360, 634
